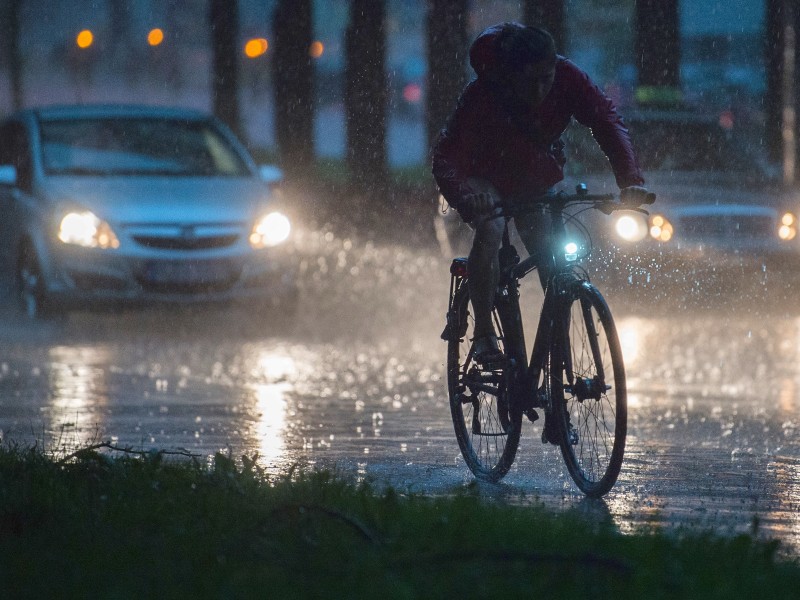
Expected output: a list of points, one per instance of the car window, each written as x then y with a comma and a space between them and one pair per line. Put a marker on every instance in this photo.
137, 146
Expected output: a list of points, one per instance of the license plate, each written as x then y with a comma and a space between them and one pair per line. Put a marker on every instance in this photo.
187, 272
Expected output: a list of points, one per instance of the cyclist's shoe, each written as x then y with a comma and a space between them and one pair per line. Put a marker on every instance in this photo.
550, 433
487, 351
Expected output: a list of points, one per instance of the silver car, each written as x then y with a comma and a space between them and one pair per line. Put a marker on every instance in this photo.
127, 205
718, 200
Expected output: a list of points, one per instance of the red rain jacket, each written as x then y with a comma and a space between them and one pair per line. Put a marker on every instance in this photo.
525, 153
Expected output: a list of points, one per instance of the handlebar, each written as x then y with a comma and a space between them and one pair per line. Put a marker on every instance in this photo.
558, 201
606, 203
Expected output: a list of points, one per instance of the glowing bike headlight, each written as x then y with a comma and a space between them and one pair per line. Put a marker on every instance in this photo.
571, 251
270, 230
86, 229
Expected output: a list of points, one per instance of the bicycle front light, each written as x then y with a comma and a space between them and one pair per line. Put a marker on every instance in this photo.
270, 230
631, 228
86, 229
571, 251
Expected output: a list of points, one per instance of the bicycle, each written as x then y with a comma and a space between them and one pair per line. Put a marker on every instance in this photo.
575, 373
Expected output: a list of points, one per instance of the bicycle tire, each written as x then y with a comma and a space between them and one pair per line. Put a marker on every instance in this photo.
589, 401
486, 423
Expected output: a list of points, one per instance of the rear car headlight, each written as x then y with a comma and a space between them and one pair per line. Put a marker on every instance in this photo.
660, 228
270, 230
787, 230
631, 228
86, 229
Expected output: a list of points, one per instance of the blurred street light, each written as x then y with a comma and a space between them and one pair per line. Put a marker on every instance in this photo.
255, 47
316, 49
84, 39
155, 37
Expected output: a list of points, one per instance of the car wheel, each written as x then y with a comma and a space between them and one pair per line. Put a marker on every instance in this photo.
32, 300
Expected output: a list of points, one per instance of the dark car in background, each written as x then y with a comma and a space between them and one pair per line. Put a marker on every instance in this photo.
717, 194
136, 205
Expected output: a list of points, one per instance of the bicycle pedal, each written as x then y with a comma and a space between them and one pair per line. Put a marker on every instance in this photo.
532, 415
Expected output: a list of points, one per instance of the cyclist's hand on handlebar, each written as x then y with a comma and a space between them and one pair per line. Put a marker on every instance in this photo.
480, 203
636, 195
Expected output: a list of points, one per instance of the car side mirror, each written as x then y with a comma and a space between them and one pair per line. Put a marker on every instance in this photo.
271, 174
8, 175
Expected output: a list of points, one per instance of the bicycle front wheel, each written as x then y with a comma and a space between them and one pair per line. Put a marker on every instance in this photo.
589, 393
487, 426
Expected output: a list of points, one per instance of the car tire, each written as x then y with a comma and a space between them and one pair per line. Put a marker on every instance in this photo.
32, 299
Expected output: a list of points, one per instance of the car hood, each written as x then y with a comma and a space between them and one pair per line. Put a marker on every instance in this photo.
160, 199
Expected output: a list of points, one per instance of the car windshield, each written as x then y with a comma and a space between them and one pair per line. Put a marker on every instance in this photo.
137, 146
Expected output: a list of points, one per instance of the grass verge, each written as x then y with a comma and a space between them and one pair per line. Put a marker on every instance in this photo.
143, 526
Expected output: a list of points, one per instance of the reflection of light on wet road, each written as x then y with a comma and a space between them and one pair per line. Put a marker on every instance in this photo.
271, 426
632, 332
278, 370
78, 393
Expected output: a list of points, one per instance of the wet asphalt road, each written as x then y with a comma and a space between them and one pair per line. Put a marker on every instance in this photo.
356, 382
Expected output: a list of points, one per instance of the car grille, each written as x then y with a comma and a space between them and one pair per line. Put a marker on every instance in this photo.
703, 227
185, 242
187, 276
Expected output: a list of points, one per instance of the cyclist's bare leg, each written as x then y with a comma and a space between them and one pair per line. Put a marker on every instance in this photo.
484, 270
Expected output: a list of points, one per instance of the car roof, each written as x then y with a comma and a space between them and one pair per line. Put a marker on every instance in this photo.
88, 111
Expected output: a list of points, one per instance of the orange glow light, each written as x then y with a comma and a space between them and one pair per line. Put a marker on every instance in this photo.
255, 47
155, 37
316, 49
84, 39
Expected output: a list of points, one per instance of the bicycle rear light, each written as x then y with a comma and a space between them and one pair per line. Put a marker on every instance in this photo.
459, 267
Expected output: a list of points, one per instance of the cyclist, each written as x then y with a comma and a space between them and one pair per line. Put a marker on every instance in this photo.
503, 144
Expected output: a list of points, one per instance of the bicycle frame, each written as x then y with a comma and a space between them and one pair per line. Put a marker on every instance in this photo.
559, 270
575, 349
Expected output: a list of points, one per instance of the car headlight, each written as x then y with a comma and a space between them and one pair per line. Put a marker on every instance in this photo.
270, 230
87, 230
631, 228
660, 228
787, 230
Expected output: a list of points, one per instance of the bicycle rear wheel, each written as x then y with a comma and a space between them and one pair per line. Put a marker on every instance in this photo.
487, 426
588, 391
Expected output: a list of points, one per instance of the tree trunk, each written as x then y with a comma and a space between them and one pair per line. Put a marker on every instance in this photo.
293, 84
11, 33
549, 15
224, 21
366, 94
781, 100
657, 48
447, 69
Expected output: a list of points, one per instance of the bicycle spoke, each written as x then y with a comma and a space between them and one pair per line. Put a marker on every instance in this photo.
594, 396
487, 433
